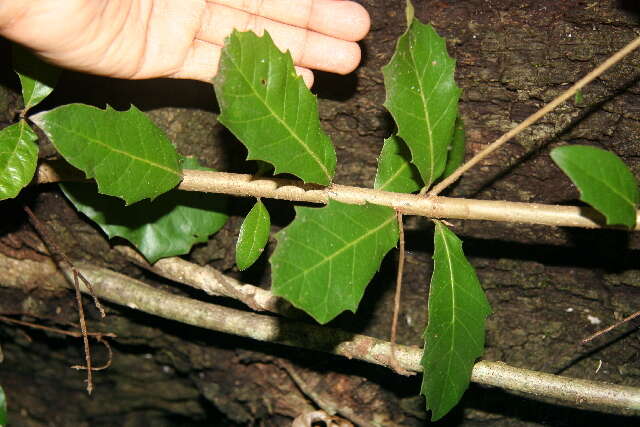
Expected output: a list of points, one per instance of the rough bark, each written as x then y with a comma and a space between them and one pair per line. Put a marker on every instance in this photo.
549, 287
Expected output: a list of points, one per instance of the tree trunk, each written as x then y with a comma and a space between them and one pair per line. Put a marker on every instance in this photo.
548, 287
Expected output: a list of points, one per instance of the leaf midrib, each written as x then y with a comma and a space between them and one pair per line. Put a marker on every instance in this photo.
601, 181
393, 177
430, 148
453, 301
281, 121
341, 250
115, 150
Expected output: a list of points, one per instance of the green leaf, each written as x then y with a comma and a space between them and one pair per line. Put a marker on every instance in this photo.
254, 234
456, 149
395, 171
422, 97
454, 337
124, 151
268, 107
604, 181
3, 408
167, 226
18, 158
326, 257
37, 77
409, 11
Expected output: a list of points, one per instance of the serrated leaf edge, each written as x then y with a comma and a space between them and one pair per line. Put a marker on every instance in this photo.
279, 119
349, 245
90, 173
414, 70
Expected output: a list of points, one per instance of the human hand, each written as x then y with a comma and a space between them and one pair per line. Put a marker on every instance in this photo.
141, 39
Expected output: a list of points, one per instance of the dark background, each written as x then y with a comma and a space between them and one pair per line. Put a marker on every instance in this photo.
548, 286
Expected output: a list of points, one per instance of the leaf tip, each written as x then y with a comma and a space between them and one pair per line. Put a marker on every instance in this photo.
409, 12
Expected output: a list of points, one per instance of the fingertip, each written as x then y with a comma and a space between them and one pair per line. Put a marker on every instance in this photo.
329, 54
346, 20
351, 59
360, 22
307, 76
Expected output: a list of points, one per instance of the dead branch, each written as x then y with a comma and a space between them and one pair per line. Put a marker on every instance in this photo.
136, 295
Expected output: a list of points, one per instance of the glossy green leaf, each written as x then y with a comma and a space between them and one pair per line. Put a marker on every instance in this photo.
395, 171
37, 77
326, 257
456, 149
454, 337
422, 96
18, 158
268, 107
604, 181
124, 151
254, 235
3, 408
167, 226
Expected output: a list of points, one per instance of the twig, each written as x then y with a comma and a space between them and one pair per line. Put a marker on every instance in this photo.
99, 336
74, 334
107, 364
396, 302
610, 328
408, 204
54, 249
83, 328
612, 60
211, 281
136, 295
172, 268
51, 243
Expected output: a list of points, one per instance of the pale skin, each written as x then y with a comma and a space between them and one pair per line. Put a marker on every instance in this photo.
141, 39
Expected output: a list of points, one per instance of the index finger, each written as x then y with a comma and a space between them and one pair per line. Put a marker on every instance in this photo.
308, 48
344, 20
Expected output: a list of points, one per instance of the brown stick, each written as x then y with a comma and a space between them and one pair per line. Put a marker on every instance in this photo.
610, 328
212, 281
408, 204
136, 295
612, 60
99, 336
55, 250
55, 330
396, 302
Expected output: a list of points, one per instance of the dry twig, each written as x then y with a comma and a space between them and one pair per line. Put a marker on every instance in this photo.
610, 328
136, 295
54, 250
396, 302
611, 61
